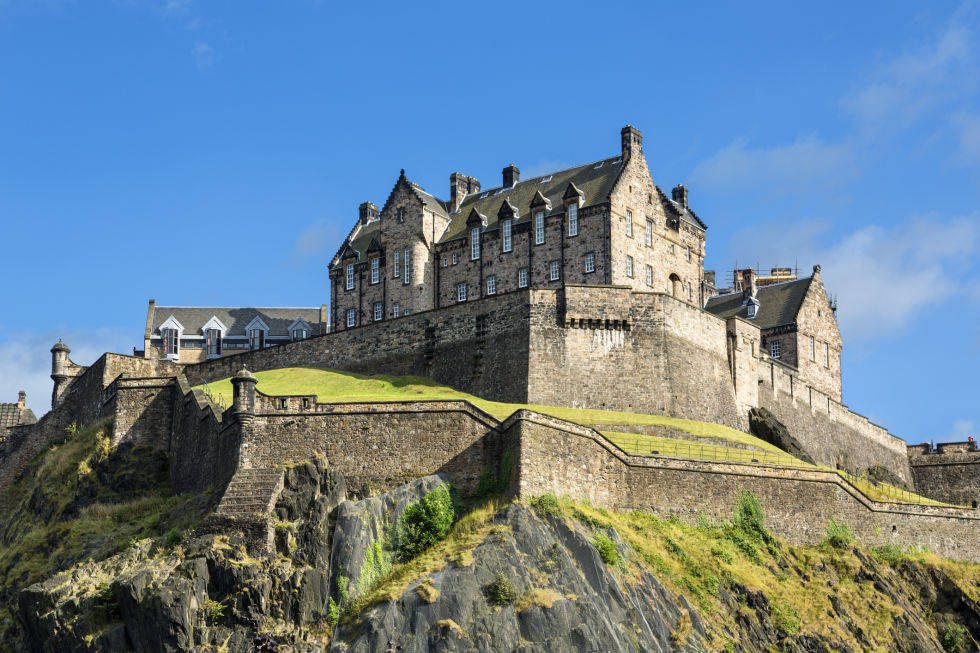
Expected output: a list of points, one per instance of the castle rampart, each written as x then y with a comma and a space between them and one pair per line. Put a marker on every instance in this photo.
950, 472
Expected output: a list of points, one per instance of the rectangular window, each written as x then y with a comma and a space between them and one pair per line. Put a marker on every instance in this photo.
629, 267
398, 264
474, 243
379, 311
455, 258
171, 342
573, 219
213, 342
688, 254
826, 355
774, 349
629, 223
396, 310
461, 292
649, 275
522, 278
506, 239
375, 270
554, 272
406, 312
349, 281
813, 349
445, 261
256, 339
648, 236
407, 265
491, 285
351, 317
539, 227
590, 262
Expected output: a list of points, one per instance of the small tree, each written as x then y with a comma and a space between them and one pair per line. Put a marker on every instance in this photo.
425, 522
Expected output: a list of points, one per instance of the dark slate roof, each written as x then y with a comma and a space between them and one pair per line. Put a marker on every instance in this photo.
363, 237
595, 180
193, 318
779, 303
11, 415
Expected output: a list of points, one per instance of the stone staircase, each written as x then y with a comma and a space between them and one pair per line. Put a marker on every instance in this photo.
251, 493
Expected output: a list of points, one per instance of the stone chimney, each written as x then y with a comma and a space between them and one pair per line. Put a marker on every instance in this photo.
749, 288
367, 212
512, 175
21, 400
709, 278
632, 141
679, 194
460, 186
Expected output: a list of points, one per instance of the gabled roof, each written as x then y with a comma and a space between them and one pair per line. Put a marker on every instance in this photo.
13, 415
193, 319
779, 303
595, 180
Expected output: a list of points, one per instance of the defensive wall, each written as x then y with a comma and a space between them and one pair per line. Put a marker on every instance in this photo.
950, 472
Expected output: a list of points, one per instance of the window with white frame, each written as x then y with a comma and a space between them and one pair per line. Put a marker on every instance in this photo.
590, 262
406, 312
300, 333
506, 237
539, 227
813, 349
398, 264
649, 275
379, 311
461, 292
629, 267
629, 223
573, 219
774, 349
256, 339
212, 342
407, 266
522, 278
351, 317
474, 243
455, 258
554, 271
375, 270
445, 261
648, 235
171, 342
491, 285
349, 281
396, 310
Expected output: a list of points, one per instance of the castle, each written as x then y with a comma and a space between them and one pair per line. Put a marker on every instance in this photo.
584, 288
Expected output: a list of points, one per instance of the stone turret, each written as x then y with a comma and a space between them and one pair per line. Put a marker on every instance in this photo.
460, 186
632, 141
21, 400
243, 393
59, 371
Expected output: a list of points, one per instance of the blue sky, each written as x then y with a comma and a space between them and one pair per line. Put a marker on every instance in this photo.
215, 153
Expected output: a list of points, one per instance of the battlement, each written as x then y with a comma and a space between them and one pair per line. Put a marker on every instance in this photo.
941, 449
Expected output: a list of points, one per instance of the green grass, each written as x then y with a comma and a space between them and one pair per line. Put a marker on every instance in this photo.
331, 386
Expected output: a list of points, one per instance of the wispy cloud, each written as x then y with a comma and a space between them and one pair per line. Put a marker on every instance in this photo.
967, 128
881, 276
204, 54
25, 360
316, 240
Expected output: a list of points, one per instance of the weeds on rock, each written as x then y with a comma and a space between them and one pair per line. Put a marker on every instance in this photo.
839, 535
546, 504
607, 549
425, 522
500, 592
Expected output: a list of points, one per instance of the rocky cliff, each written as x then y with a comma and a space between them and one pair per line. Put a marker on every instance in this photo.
416, 569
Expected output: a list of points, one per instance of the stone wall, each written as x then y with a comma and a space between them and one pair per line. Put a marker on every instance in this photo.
565, 459
830, 432
203, 448
142, 410
950, 473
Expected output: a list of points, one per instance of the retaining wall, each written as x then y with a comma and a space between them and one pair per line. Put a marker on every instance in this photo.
951, 473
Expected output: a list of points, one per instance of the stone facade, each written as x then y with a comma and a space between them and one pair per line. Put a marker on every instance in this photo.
950, 472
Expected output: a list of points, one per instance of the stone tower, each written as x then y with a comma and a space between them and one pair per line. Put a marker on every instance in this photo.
59, 371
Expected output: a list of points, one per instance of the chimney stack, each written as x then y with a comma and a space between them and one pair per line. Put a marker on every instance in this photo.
632, 141
367, 212
21, 400
460, 186
749, 288
679, 195
512, 175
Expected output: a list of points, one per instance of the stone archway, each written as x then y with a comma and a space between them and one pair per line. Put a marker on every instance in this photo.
676, 287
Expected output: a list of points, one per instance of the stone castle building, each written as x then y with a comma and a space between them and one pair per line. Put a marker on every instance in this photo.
15, 414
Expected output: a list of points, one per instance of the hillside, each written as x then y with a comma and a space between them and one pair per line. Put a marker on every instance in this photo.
100, 555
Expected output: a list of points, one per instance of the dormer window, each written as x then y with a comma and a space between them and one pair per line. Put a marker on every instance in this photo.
539, 228
506, 237
573, 219
299, 330
258, 333
212, 343
474, 243
171, 343
752, 309
300, 334
349, 277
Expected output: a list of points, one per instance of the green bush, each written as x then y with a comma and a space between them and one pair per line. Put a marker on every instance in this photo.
501, 591
839, 534
890, 553
607, 548
748, 515
425, 522
173, 537
546, 504
786, 618
333, 613
213, 610
953, 637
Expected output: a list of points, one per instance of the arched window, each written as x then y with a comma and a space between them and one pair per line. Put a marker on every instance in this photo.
676, 287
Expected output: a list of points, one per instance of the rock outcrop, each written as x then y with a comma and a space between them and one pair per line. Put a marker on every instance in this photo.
763, 424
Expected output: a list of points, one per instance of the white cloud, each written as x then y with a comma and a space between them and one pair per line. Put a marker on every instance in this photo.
962, 428
204, 55
882, 277
806, 162
317, 239
25, 360
967, 128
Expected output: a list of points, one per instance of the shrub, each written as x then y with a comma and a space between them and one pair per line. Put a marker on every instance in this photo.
953, 637
890, 553
546, 504
722, 553
333, 613
501, 591
839, 534
607, 548
425, 522
213, 610
173, 537
748, 515
786, 618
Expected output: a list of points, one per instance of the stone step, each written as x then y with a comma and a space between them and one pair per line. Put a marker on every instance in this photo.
251, 492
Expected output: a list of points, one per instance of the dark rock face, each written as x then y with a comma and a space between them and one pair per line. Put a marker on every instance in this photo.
529, 582
879, 474
764, 425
